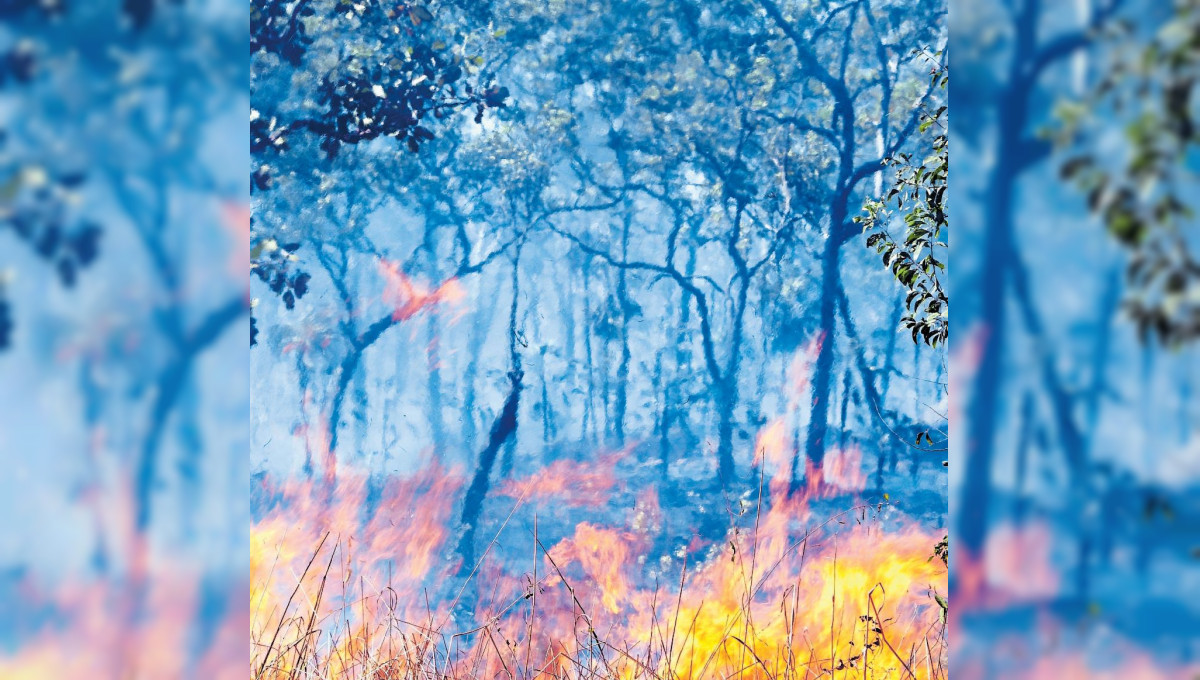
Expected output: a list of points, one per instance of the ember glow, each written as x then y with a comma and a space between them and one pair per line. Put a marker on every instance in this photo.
358, 579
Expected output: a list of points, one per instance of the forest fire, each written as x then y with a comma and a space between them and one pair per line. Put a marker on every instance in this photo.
363, 583
841, 471
772, 604
162, 646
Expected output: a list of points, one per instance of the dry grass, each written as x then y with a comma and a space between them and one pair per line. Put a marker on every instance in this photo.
553, 624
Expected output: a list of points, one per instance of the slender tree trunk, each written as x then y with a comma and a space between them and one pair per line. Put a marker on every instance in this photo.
570, 328
168, 388
475, 345
918, 387
93, 401
1071, 438
482, 321
515, 332
503, 432
683, 363
1109, 303
870, 395
889, 354
433, 383
589, 406
361, 403
663, 426
191, 444
606, 390
727, 383
818, 425
727, 393
548, 428
726, 402
845, 407
1024, 442
622, 397
971, 508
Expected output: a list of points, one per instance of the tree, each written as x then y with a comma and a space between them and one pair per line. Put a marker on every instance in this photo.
35, 200
1143, 197
913, 260
1006, 81
1021, 344
124, 143
382, 71
772, 129
847, 132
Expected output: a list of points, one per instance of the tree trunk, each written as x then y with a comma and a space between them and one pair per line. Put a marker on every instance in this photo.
433, 383
548, 428
726, 402
889, 354
818, 424
503, 433
482, 321
983, 399
662, 391
1024, 442
571, 367
845, 407
589, 405
622, 397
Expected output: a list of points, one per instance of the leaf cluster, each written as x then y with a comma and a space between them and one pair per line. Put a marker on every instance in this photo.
393, 73
35, 201
1143, 198
916, 257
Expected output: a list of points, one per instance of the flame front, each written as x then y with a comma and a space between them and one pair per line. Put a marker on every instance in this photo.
353, 581
96, 642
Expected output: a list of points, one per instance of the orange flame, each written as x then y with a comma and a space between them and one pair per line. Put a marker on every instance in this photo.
328, 547
577, 483
840, 471
407, 298
788, 595
103, 647
843, 470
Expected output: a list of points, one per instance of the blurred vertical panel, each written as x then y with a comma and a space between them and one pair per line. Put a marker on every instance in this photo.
1075, 459
124, 228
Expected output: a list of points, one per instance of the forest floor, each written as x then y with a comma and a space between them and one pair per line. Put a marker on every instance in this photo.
600, 568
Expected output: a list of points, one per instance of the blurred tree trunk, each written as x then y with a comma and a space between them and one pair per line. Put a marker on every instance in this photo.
626, 304
589, 405
503, 433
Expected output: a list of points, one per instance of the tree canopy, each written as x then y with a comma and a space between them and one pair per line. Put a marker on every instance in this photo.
1143, 191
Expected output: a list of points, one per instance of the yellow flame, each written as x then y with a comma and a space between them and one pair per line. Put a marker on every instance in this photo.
793, 595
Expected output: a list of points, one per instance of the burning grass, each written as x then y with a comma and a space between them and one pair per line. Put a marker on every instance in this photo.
345, 593
357, 582
89, 633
